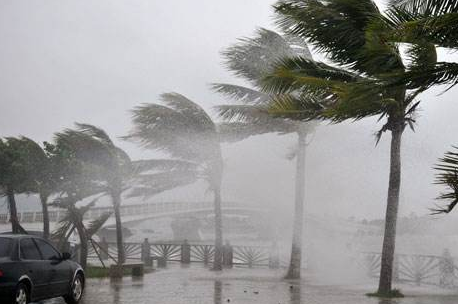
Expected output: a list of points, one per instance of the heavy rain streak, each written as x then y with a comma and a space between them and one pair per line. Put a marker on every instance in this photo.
281, 151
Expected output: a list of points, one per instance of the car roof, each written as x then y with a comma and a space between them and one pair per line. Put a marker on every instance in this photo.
15, 236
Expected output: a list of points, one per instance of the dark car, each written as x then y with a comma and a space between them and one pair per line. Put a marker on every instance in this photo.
31, 269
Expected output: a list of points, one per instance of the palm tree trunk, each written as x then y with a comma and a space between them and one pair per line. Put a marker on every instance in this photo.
15, 226
389, 239
83, 243
294, 271
44, 210
218, 257
116, 197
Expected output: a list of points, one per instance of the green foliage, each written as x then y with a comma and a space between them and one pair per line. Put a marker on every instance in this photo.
18, 160
448, 176
425, 25
338, 29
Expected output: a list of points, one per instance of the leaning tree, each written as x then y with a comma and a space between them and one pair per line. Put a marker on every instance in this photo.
115, 173
17, 160
252, 59
182, 129
353, 37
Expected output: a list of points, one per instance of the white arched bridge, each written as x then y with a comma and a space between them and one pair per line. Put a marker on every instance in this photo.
131, 213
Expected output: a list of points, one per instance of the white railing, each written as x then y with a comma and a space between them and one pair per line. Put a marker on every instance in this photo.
129, 210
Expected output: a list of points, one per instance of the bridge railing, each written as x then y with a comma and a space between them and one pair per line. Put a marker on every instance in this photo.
184, 252
126, 210
419, 269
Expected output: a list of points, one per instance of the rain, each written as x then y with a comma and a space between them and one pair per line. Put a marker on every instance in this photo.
233, 151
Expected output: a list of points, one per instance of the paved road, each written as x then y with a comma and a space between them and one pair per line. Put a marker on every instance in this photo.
196, 285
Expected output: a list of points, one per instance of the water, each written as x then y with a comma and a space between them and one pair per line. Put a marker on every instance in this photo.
197, 285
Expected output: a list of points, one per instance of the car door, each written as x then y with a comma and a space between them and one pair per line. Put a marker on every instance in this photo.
58, 272
32, 264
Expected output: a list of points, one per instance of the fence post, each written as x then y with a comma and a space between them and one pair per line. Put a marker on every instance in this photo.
274, 256
104, 247
185, 252
447, 269
228, 255
146, 253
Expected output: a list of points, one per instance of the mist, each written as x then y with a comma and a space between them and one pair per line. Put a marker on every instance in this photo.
93, 62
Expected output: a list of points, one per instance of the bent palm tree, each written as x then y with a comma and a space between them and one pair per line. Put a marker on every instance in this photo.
253, 59
114, 172
349, 89
186, 132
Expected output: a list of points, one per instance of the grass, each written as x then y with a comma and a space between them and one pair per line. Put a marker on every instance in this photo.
395, 293
100, 272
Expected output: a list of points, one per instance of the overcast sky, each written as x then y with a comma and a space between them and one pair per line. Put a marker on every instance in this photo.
93, 61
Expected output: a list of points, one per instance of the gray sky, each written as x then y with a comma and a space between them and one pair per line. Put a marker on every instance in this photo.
92, 61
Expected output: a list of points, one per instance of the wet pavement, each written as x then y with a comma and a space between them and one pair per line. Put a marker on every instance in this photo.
197, 285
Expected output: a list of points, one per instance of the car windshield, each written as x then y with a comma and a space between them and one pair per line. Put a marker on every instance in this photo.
5, 247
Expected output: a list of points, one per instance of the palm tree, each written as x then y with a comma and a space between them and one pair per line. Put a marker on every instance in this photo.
348, 89
186, 132
44, 177
448, 176
253, 59
73, 220
17, 159
114, 172
74, 184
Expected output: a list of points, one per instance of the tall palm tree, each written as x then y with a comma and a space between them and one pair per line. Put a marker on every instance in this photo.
17, 159
186, 132
348, 89
253, 59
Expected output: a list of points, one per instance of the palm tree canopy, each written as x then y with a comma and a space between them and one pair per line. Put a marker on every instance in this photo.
179, 127
338, 29
108, 168
354, 35
253, 59
425, 24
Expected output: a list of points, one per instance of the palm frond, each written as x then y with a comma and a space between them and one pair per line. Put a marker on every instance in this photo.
183, 130
95, 225
448, 176
338, 29
427, 7
140, 166
95, 132
241, 94
252, 58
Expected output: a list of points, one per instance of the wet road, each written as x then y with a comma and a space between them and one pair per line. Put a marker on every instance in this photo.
196, 285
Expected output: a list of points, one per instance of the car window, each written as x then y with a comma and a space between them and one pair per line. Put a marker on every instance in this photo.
5, 247
47, 251
29, 250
